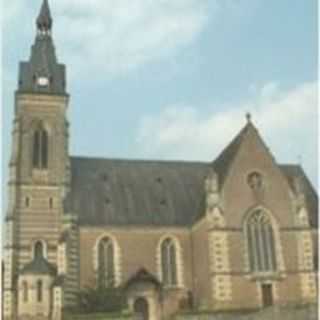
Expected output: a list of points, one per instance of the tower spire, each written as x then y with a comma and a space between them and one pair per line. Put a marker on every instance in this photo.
42, 72
44, 20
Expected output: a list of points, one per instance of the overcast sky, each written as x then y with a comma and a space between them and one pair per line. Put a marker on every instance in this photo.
173, 79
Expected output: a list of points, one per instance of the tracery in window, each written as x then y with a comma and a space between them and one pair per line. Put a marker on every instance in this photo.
261, 242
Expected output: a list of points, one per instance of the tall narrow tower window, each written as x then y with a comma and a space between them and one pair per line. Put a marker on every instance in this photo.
40, 149
25, 291
39, 290
27, 202
38, 250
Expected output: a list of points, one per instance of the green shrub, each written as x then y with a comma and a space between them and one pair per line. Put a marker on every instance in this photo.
101, 299
97, 316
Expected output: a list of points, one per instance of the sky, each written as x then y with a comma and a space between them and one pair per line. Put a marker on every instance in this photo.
173, 79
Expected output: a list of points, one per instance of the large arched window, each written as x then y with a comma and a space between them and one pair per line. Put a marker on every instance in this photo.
40, 148
106, 273
261, 242
39, 290
169, 262
25, 291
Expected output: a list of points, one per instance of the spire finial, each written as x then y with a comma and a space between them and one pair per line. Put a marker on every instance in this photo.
248, 117
44, 20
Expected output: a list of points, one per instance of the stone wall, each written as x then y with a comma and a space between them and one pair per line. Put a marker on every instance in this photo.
273, 313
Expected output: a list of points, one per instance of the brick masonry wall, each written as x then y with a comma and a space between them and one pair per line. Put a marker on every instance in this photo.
138, 248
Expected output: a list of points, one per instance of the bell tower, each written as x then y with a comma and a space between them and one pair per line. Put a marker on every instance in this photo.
39, 165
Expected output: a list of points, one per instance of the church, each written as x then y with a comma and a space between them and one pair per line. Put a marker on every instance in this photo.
237, 232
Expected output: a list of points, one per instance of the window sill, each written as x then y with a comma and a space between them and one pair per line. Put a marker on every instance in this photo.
262, 276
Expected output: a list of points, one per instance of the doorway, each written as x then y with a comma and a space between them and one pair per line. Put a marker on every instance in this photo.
267, 297
141, 309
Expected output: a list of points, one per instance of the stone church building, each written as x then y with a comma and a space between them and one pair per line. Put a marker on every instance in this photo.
238, 232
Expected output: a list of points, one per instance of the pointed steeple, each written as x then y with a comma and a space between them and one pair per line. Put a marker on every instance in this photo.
42, 73
224, 161
44, 20
248, 117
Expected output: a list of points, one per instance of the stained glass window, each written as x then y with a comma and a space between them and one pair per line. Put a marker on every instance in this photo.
261, 243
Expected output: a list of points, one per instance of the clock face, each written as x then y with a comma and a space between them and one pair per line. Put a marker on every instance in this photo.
43, 81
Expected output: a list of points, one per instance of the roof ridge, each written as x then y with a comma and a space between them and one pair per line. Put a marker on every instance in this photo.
165, 161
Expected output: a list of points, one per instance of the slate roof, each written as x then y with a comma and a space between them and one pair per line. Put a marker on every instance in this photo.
150, 193
136, 192
43, 61
39, 265
156, 193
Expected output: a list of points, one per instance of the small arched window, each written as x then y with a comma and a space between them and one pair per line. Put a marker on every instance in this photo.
106, 270
25, 291
40, 148
38, 250
39, 290
169, 262
261, 243
255, 181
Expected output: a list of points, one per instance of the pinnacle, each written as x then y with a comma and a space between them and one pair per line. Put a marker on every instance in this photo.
44, 20
248, 117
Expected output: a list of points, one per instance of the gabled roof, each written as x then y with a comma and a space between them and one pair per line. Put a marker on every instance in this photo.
143, 275
39, 265
156, 193
223, 162
136, 192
